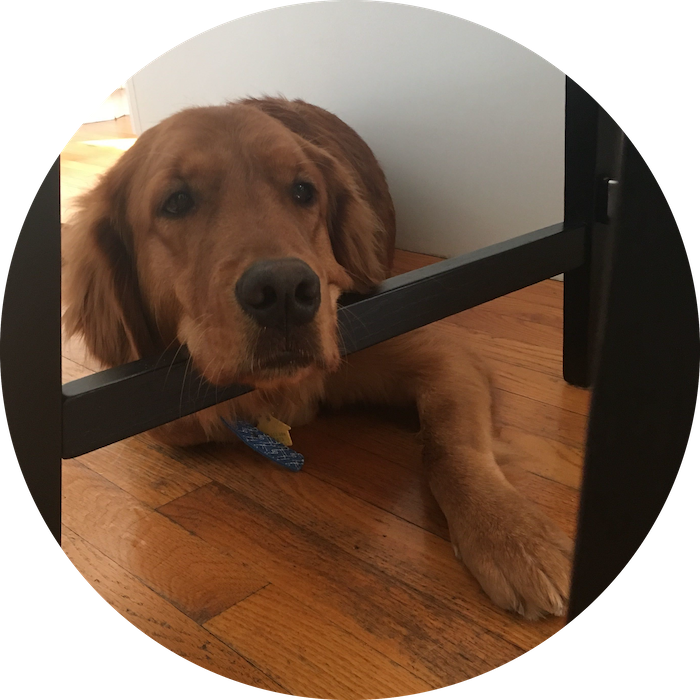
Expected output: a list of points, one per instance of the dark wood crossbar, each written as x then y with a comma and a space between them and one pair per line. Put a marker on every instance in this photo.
114, 404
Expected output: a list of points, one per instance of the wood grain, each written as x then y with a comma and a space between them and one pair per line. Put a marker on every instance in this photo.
291, 640
194, 576
159, 619
414, 630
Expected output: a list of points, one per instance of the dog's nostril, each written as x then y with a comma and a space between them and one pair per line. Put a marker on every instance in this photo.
306, 292
262, 298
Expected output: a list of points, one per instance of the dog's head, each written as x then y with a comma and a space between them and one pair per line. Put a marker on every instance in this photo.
224, 230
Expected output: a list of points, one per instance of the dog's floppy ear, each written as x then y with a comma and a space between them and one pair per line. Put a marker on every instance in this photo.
101, 293
358, 237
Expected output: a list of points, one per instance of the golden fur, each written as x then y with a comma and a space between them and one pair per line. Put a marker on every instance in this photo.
137, 281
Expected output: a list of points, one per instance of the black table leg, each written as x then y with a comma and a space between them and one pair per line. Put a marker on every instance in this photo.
645, 384
592, 159
30, 350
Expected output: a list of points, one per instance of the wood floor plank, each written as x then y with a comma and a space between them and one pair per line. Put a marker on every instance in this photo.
388, 432
148, 475
529, 369
540, 419
548, 293
525, 327
514, 307
194, 576
421, 559
543, 387
529, 355
382, 480
413, 629
114, 128
407, 260
546, 457
299, 646
157, 618
391, 475
84, 161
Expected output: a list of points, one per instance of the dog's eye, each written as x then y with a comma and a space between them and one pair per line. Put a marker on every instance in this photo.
178, 204
303, 192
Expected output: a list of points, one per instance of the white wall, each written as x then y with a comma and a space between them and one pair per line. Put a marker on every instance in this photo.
468, 125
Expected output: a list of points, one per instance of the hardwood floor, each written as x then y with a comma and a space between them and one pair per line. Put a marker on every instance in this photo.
338, 581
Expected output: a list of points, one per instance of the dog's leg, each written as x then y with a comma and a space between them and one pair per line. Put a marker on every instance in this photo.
520, 557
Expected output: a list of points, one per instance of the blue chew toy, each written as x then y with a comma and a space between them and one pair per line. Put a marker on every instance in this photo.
266, 446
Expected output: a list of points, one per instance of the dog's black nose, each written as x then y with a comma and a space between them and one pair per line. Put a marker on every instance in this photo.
279, 293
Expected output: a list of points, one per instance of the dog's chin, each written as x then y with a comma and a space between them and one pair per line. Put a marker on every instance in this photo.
272, 371
280, 378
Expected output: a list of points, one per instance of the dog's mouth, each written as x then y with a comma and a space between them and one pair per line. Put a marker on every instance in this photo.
270, 358
284, 354
279, 369
288, 360
267, 367
285, 367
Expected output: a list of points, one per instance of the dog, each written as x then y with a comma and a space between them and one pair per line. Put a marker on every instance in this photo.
233, 230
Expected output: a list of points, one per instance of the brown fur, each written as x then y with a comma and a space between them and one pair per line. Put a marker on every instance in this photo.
137, 282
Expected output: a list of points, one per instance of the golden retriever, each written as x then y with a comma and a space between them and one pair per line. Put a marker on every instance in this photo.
234, 229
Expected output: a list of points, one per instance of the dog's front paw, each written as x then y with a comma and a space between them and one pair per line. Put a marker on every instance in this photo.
519, 556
